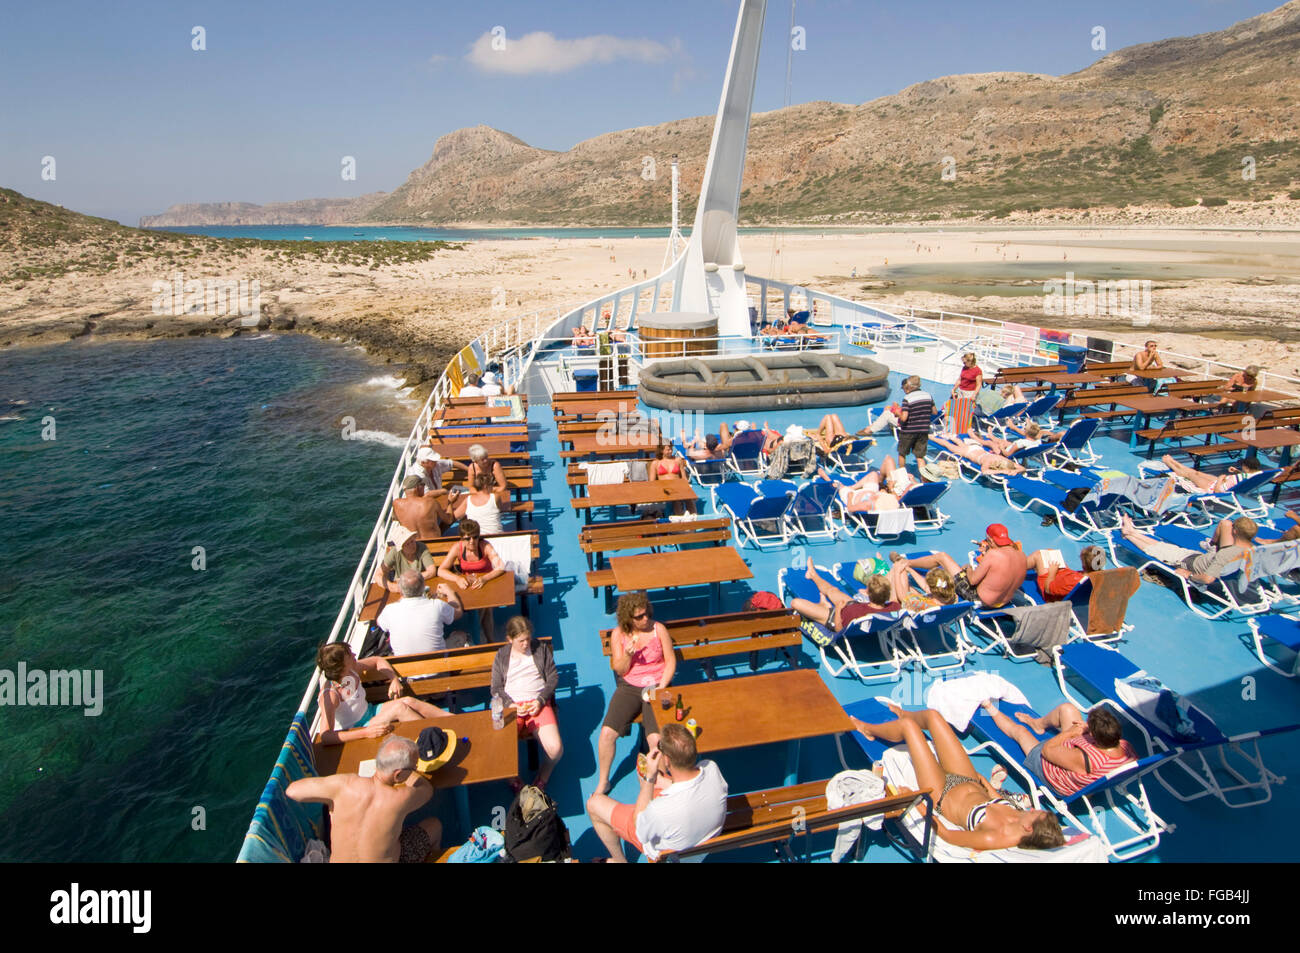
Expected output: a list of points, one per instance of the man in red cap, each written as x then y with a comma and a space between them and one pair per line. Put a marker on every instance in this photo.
997, 574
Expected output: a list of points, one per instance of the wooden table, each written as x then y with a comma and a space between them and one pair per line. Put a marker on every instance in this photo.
688, 567
458, 449
760, 709
1256, 396
483, 754
1270, 439
499, 592
1160, 374
634, 494
620, 445
1146, 406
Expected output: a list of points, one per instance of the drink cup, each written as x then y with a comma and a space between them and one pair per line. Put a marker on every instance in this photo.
665, 700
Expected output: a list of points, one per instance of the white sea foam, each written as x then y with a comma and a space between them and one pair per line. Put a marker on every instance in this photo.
385, 380
379, 436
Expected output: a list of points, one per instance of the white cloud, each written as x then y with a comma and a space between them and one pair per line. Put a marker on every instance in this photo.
544, 53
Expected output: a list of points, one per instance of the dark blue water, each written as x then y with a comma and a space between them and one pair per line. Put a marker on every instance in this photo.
234, 446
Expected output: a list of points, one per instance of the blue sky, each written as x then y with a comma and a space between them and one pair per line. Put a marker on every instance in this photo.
137, 120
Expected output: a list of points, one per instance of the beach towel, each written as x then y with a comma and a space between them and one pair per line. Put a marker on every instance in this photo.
1040, 627
958, 415
958, 698
517, 554
1108, 601
1262, 562
894, 522
1147, 695
844, 790
282, 829
791, 455
602, 474
484, 846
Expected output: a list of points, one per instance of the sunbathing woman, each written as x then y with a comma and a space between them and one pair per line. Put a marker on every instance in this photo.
830, 434
876, 491
771, 439
1194, 481
974, 451
836, 609
986, 819
582, 337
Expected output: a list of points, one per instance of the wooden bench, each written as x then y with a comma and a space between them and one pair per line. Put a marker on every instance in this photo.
1107, 368
711, 637
439, 673
518, 477
597, 539
1015, 375
1190, 390
781, 815
1182, 428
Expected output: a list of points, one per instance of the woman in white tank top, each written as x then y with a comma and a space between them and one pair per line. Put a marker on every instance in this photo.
482, 505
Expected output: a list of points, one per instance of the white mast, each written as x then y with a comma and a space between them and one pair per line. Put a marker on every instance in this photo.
675, 240
713, 277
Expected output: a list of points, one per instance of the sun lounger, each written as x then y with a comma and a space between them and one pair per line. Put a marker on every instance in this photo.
1106, 669
922, 500
1213, 507
910, 833
746, 457
703, 472
850, 456
1075, 446
1282, 630
884, 627
757, 510
812, 512
1094, 514
1115, 804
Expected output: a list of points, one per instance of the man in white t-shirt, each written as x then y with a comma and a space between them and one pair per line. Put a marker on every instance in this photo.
429, 467
689, 810
472, 387
415, 623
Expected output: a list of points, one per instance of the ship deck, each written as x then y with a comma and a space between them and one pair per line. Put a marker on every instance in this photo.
1209, 662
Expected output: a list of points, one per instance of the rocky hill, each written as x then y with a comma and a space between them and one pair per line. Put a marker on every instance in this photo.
1170, 124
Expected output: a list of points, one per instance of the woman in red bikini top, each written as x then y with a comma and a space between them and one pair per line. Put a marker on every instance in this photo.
471, 561
666, 464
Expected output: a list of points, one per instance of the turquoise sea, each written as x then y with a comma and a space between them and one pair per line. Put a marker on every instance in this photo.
232, 445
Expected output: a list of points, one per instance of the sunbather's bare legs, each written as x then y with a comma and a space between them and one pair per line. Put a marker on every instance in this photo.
910, 728
1203, 481
997, 445
1129, 531
936, 559
827, 607
1017, 733
724, 436
830, 432
1060, 718
770, 439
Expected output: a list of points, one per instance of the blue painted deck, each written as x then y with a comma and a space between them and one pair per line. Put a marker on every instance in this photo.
1208, 662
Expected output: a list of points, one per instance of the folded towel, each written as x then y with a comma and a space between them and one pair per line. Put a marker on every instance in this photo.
957, 699
601, 474
1041, 627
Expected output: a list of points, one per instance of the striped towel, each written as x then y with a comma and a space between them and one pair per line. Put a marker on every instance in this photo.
959, 414
281, 828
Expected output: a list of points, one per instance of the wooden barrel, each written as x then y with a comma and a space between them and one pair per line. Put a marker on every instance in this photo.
678, 335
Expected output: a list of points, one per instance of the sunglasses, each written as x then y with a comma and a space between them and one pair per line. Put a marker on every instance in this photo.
643, 614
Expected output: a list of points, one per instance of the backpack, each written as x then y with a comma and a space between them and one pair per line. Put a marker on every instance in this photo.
763, 601
375, 643
534, 831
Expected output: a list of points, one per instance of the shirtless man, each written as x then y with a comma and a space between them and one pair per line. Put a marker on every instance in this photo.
366, 814
415, 510
1145, 361
998, 573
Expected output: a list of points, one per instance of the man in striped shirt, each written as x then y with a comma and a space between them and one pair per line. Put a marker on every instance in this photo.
914, 421
1079, 753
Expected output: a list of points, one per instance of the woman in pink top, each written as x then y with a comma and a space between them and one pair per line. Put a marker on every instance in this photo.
642, 657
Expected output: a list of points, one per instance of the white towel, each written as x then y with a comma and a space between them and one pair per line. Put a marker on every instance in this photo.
844, 790
602, 474
517, 553
894, 522
957, 699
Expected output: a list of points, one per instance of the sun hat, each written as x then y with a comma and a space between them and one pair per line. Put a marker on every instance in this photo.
399, 534
426, 453
742, 425
434, 748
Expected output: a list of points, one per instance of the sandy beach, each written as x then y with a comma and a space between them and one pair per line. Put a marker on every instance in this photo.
1232, 295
